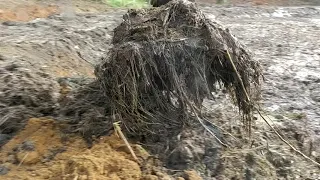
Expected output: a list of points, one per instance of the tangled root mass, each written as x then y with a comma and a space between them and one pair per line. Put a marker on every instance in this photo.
166, 60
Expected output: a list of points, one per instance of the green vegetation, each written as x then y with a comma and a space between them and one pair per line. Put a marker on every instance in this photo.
297, 116
221, 1
127, 3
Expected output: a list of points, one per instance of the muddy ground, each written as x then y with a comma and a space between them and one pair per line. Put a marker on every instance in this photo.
43, 59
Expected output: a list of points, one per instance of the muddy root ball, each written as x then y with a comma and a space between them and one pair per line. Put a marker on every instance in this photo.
166, 60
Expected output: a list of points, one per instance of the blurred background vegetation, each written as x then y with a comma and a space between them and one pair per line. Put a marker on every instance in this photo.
126, 3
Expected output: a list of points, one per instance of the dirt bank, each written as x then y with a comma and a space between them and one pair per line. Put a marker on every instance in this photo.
42, 151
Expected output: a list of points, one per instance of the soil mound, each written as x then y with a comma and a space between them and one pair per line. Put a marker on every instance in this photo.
166, 61
42, 151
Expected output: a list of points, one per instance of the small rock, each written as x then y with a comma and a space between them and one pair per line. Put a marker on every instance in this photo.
53, 152
11, 67
278, 116
3, 170
180, 157
29, 157
28, 146
10, 23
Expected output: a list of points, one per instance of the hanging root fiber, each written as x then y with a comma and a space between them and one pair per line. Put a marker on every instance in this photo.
165, 60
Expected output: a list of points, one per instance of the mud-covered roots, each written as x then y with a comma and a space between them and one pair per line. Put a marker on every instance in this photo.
166, 60
87, 110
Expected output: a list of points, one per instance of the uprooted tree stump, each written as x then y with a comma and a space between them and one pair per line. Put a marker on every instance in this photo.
166, 60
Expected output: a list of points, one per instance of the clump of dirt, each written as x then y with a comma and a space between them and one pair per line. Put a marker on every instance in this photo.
87, 110
25, 93
152, 73
42, 151
26, 13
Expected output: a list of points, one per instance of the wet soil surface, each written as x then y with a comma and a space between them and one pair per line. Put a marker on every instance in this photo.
36, 55
285, 41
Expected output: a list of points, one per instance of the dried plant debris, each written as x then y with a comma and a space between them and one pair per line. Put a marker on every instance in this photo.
165, 61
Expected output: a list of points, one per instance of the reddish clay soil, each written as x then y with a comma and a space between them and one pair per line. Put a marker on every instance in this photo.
27, 12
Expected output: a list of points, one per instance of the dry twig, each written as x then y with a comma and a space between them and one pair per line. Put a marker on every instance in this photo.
119, 132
